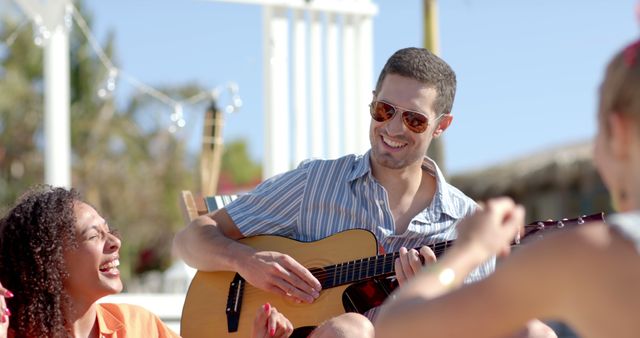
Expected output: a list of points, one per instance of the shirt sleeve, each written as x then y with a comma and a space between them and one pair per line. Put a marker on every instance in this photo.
273, 207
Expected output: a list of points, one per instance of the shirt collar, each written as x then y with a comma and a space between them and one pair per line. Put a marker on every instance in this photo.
441, 202
442, 199
361, 167
108, 323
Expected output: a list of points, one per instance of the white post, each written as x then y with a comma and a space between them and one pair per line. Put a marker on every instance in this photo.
334, 130
331, 78
57, 154
276, 147
300, 86
364, 79
316, 90
349, 90
48, 17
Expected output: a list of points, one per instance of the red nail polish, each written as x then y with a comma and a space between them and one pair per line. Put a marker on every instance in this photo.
5, 318
267, 308
272, 332
7, 311
8, 294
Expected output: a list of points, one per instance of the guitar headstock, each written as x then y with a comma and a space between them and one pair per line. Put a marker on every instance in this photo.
541, 228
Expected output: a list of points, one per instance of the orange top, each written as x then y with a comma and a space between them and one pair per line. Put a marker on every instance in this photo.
125, 320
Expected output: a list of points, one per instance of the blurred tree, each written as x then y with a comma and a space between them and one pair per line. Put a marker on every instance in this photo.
238, 166
124, 161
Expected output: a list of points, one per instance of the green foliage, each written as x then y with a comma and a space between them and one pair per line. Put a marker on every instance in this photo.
237, 164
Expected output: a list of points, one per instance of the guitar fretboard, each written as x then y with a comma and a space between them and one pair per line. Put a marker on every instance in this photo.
365, 268
383, 265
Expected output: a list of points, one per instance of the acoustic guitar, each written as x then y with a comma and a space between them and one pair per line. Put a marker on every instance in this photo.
352, 275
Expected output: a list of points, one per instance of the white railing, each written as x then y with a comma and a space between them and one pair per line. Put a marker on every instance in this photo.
318, 60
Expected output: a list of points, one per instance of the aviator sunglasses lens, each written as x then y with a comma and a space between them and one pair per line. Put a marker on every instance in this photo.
382, 111
416, 122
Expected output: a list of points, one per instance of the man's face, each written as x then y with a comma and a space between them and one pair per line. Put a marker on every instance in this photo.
393, 145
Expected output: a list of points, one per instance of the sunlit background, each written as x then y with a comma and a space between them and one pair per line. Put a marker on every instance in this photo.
143, 74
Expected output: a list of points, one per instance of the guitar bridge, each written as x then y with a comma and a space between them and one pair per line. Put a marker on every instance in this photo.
234, 303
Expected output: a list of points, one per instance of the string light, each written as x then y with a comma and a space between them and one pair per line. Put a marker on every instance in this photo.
109, 85
42, 34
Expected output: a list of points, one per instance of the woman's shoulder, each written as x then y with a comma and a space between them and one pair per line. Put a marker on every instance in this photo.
591, 247
132, 319
124, 311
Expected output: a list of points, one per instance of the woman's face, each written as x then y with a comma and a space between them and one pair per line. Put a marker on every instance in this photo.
93, 265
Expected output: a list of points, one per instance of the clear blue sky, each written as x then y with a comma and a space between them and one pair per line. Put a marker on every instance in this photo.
527, 71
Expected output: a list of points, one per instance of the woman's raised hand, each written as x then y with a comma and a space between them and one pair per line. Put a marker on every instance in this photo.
492, 228
271, 323
4, 311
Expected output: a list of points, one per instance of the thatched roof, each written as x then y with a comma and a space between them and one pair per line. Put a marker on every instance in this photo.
557, 167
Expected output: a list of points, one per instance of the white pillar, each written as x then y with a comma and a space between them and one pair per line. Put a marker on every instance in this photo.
276, 84
364, 79
57, 153
331, 79
48, 17
316, 89
299, 86
334, 130
349, 90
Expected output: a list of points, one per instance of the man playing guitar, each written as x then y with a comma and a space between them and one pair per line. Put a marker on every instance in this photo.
393, 190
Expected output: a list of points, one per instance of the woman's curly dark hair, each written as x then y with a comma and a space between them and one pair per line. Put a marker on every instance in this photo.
34, 235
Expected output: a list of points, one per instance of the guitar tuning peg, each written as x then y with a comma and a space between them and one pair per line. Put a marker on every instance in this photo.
561, 223
581, 220
540, 225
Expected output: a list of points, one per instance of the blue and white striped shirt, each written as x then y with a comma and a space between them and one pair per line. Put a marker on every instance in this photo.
323, 197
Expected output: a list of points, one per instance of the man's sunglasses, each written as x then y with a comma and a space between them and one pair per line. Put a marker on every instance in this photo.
416, 122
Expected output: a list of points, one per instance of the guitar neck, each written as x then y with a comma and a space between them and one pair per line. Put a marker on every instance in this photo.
383, 265
365, 268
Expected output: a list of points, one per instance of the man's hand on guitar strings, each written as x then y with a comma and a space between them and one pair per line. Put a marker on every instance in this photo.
281, 274
410, 262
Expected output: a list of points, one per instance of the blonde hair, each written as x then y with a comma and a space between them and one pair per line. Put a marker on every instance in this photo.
620, 89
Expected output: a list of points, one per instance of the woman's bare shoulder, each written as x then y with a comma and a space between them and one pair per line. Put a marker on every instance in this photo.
598, 238
591, 247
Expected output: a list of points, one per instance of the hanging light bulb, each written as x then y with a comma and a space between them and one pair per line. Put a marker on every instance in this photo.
68, 17
109, 85
236, 102
177, 118
41, 33
177, 112
111, 80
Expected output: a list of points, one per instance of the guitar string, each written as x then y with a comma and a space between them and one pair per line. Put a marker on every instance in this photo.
379, 264
356, 266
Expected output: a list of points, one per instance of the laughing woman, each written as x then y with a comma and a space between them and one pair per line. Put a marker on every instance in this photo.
58, 257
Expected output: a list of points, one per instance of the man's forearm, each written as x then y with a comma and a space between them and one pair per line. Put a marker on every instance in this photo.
203, 246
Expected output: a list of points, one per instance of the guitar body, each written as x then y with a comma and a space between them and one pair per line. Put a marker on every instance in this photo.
204, 313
